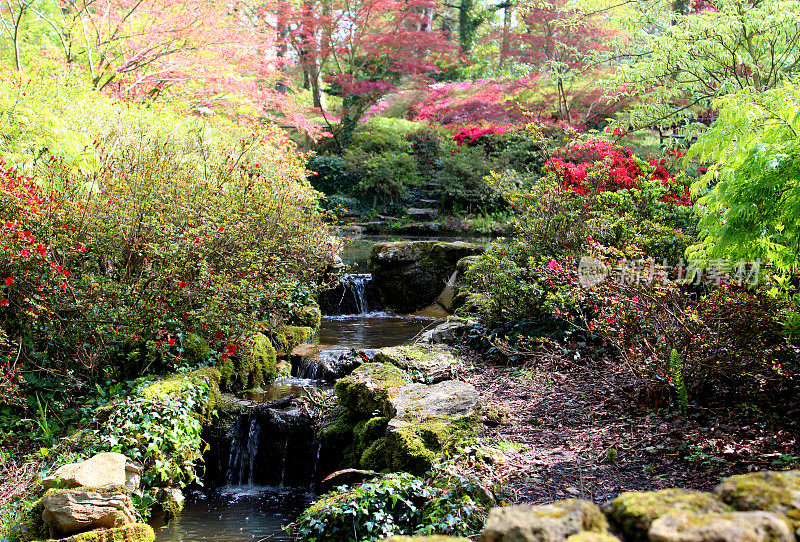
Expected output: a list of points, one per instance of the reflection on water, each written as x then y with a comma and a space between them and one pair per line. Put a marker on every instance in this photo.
239, 515
283, 387
372, 330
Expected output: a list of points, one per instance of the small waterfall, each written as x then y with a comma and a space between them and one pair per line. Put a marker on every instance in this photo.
355, 294
357, 284
244, 448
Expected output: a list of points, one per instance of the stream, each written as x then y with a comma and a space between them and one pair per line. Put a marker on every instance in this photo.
246, 502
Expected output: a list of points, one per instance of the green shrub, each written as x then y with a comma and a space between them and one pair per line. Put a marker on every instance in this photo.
390, 174
184, 226
329, 174
394, 504
381, 135
462, 178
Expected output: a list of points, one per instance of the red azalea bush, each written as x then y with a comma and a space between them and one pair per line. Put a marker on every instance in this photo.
599, 166
471, 134
730, 342
183, 227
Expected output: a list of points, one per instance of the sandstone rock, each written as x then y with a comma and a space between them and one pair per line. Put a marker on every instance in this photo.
134, 532
634, 512
721, 527
771, 491
587, 536
464, 264
410, 275
104, 470
75, 510
451, 399
366, 389
445, 333
548, 523
424, 362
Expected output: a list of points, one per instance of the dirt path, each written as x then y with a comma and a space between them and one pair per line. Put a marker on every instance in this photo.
576, 432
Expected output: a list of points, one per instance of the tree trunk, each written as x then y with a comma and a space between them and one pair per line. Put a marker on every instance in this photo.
467, 24
505, 45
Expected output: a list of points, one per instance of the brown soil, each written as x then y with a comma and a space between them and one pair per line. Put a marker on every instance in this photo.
577, 432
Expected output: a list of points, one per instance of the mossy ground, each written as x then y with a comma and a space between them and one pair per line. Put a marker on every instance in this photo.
135, 532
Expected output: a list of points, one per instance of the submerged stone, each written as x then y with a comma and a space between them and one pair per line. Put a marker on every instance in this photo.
721, 527
635, 512
547, 523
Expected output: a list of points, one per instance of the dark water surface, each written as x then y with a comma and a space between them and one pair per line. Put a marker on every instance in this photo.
364, 331
236, 515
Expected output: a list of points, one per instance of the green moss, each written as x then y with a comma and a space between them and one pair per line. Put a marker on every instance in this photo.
253, 366
171, 501
284, 368
368, 444
771, 491
592, 537
365, 390
32, 527
374, 456
337, 428
310, 316
195, 348
634, 512
179, 385
135, 532
413, 446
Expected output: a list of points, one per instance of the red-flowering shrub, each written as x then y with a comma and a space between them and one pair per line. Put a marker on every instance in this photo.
470, 134
600, 166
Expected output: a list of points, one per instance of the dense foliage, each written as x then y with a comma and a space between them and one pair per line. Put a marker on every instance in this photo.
128, 229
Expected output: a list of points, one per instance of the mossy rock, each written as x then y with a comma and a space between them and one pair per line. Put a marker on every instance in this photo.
366, 389
423, 362
171, 501
635, 512
770, 491
551, 522
336, 430
195, 348
309, 316
754, 526
284, 368
586, 536
435, 538
413, 446
254, 365
134, 532
287, 337
178, 386
32, 526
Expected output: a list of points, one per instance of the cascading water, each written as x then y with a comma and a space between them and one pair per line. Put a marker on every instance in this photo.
357, 284
241, 464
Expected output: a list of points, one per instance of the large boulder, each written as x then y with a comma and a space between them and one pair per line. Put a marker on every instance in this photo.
366, 389
724, 527
635, 512
427, 421
104, 470
75, 510
410, 275
548, 523
325, 363
771, 491
423, 362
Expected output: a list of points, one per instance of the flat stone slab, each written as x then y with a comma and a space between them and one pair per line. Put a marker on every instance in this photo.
424, 362
106, 470
451, 399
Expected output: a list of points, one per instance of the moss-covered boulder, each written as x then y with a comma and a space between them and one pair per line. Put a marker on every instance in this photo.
635, 512
427, 421
410, 275
309, 316
135, 532
423, 362
721, 527
195, 348
255, 364
366, 390
587, 536
547, 523
771, 491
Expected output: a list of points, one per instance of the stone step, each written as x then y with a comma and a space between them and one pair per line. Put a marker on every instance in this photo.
422, 213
